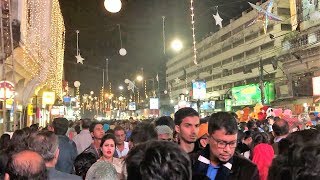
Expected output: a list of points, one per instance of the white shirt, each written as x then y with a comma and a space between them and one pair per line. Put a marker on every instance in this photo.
83, 140
125, 150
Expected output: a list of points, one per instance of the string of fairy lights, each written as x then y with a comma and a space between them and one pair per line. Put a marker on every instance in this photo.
193, 33
43, 42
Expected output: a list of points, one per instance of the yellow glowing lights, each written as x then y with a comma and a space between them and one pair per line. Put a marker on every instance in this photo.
43, 41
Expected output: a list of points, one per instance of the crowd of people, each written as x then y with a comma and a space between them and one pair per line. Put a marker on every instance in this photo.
185, 147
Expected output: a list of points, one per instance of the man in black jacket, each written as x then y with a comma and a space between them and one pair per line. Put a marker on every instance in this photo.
218, 160
67, 148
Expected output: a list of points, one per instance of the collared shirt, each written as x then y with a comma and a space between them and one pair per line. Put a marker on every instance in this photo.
124, 152
212, 171
83, 140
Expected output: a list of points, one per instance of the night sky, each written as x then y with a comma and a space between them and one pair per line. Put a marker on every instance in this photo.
141, 28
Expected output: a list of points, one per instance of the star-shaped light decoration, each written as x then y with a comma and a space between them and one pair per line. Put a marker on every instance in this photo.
218, 19
79, 59
177, 80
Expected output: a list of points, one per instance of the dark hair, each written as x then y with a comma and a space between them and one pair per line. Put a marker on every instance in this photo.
31, 168
18, 141
143, 132
4, 141
45, 143
70, 123
93, 125
183, 113
280, 127
106, 137
60, 126
165, 120
110, 131
77, 128
82, 163
34, 127
260, 137
302, 162
85, 123
159, 160
222, 120
251, 124
119, 128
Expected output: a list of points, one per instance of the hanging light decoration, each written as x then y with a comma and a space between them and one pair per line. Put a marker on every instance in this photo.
113, 6
122, 50
193, 33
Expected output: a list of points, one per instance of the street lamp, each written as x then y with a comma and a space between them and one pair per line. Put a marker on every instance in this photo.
139, 78
176, 45
120, 88
113, 6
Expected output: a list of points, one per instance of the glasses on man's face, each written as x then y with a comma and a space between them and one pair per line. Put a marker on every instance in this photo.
223, 144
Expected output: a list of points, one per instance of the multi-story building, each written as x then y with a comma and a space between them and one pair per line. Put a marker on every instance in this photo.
231, 57
300, 59
36, 63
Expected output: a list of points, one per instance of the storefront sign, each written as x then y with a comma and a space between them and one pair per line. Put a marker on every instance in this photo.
48, 98
199, 90
132, 106
316, 86
30, 110
154, 103
251, 94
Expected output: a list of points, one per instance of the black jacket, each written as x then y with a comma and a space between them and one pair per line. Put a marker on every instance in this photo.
237, 168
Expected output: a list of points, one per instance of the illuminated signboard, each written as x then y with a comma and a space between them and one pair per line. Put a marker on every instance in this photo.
251, 94
316, 86
154, 103
199, 90
132, 106
48, 98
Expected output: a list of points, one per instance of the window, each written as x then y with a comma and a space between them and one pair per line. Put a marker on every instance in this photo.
227, 61
283, 11
267, 45
238, 57
237, 70
207, 79
215, 65
252, 51
238, 29
286, 27
225, 36
237, 43
226, 48
252, 36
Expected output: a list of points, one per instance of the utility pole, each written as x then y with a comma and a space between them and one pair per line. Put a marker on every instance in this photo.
261, 80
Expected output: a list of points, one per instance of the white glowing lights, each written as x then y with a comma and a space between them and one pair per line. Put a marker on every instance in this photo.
113, 6
193, 33
176, 45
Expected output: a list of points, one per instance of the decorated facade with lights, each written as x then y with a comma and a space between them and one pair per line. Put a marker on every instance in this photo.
42, 44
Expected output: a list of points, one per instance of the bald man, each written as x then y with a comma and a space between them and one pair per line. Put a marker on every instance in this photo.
26, 165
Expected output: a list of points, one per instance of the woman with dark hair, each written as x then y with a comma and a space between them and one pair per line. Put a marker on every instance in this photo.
108, 147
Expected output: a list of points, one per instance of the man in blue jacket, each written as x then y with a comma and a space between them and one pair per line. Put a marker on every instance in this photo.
218, 160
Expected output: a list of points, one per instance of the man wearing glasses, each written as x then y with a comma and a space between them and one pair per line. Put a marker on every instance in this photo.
217, 160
